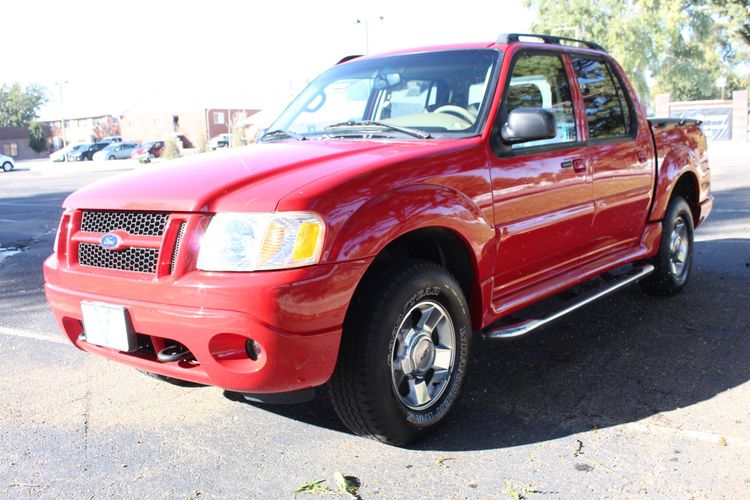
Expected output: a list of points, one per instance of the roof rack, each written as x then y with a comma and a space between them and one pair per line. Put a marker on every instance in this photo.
506, 38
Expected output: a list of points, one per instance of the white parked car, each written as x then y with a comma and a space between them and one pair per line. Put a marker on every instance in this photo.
7, 163
61, 154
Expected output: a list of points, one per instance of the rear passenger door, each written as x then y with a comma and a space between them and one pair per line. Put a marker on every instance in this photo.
619, 154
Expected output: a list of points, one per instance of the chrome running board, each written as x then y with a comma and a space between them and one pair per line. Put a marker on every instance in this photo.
529, 325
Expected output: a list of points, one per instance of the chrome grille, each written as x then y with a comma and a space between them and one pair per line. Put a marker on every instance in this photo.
141, 260
136, 223
177, 244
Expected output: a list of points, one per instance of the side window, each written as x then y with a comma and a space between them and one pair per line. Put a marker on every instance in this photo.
607, 110
539, 81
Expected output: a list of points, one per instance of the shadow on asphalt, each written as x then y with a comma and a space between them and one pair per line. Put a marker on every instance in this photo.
625, 358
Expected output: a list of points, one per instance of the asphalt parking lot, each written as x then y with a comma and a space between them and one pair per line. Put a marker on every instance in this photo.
632, 396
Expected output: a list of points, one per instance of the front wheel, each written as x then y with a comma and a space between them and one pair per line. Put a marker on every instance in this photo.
111, 157
7, 167
675, 258
404, 353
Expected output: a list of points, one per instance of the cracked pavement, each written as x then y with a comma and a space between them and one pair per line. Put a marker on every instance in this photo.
630, 396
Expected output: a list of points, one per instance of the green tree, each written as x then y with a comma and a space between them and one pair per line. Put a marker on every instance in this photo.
675, 46
736, 14
37, 137
20, 105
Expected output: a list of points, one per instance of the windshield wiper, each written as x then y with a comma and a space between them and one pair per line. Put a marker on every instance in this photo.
373, 123
281, 133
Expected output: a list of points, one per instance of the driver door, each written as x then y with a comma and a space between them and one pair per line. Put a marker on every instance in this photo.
542, 190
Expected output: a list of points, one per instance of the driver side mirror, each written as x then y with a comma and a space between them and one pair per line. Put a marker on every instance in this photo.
528, 124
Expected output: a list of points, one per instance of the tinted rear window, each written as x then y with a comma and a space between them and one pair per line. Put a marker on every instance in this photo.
607, 110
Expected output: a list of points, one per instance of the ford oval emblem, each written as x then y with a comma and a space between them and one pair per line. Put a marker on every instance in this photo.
110, 241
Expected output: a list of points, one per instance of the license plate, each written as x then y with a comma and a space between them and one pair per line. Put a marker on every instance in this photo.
108, 325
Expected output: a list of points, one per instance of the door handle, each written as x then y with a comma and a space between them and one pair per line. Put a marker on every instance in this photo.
641, 155
577, 164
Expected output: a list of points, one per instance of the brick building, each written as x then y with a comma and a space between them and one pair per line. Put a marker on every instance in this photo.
14, 141
82, 129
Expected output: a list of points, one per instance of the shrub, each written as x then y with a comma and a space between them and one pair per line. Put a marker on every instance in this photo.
171, 150
238, 137
202, 144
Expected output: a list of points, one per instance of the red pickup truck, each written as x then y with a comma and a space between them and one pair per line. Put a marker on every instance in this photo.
400, 204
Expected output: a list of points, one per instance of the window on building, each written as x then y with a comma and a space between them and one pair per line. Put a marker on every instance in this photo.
607, 110
10, 149
218, 118
539, 81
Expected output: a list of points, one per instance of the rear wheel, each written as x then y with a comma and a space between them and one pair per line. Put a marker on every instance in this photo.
675, 258
7, 166
404, 353
111, 157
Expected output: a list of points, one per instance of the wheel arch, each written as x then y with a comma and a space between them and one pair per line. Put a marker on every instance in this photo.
441, 246
431, 223
686, 186
677, 174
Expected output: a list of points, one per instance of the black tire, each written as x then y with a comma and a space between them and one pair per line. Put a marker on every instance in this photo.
7, 166
170, 380
372, 394
111, 157
675, 258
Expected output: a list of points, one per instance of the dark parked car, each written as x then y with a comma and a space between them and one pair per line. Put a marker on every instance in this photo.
74, 152
86, 152
148, 151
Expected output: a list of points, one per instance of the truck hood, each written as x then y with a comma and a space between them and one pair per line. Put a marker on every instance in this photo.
264, 172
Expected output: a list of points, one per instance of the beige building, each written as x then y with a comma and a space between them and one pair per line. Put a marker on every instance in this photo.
159, 119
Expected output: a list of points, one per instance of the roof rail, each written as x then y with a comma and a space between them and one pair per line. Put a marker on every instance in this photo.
348, 58
506, 38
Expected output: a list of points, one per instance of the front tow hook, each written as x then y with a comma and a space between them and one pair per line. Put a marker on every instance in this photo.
173, 353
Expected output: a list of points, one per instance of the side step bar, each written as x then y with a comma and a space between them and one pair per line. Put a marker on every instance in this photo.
527, 326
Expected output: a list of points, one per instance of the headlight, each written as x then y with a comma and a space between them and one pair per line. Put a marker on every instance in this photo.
258, 241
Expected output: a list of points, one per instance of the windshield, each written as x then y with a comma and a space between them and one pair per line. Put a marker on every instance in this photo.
430, 94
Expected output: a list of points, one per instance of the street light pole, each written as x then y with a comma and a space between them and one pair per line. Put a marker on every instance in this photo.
62, 112
367, 31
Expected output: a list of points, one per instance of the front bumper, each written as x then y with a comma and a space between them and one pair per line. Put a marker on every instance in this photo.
295, 316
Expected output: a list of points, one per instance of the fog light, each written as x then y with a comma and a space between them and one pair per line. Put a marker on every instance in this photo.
253, 349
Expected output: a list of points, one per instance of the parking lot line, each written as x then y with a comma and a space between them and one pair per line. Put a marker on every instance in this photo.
14, 332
